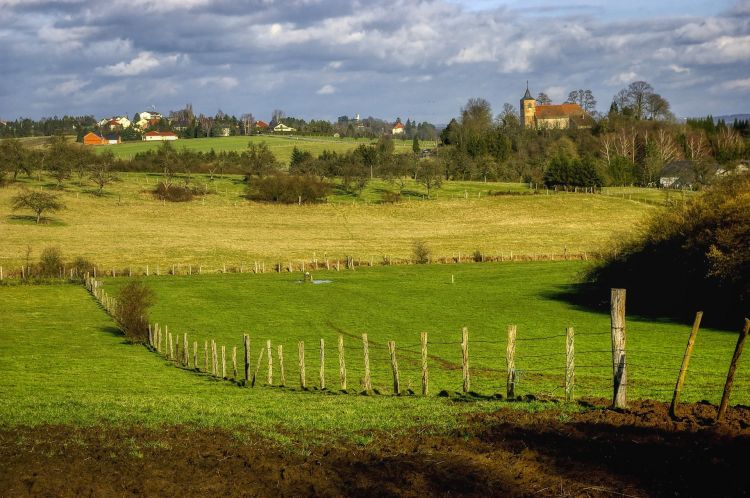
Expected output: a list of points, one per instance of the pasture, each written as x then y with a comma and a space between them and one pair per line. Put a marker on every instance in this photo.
281, 146
129, 227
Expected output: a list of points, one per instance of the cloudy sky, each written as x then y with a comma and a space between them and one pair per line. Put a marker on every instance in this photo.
326, 58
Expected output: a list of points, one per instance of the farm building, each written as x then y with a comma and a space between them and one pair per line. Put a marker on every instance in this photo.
686, 173
92, 138
261, 125
282, 128
159, 136
398, 129
552, 116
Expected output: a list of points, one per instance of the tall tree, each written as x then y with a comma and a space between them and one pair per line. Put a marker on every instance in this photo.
543, 99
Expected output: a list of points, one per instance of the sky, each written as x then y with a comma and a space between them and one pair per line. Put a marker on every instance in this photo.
320, 59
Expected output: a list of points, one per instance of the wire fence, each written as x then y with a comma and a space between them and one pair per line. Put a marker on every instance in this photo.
568, 365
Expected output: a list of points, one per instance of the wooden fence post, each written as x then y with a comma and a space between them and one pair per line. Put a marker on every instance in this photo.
214, 359
223, 362
394, 367
732, 368
423, 340
465, 358
269, 376
205, 355
619, 365
234, 362
322, 364
685, 363
570, 358
510, 362
185, 351
195, 355
257, 367
171, 348
150, 336
367, 379
301, 359
246, 345
342, 363
282, 376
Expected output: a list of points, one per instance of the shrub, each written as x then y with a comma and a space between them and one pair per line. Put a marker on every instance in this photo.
421, 252
688, 257
50, 262
391, 197
174, 193
132, 311
477, 256
288, 189
82, 265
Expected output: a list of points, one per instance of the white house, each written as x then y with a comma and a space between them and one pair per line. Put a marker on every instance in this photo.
115, 122
147, 118
159, 136
281, 127
398, 129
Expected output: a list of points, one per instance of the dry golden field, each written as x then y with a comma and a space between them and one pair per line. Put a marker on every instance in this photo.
129, 227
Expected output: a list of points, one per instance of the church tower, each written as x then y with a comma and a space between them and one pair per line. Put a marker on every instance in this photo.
528, 109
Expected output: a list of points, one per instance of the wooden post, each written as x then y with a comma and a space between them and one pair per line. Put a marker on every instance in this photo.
685, 363
423, 340
465, 359
195, 355
234, 362
280, 350
150, 336
342, 363
322, 364
269, 376
619, 366
510, 362
257, 367
185, 351
223, 362
394, 367
732, 368
570, 358
171, 348
367, 379
301, 358
214, 359
246, 345
205, 355
147, 270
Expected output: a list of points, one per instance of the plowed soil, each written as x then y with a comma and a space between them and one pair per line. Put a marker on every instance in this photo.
599, 452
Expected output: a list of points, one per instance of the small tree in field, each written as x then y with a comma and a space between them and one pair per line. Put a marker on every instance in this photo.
132, 310
36, 201
421, 252
101, 172
50, 262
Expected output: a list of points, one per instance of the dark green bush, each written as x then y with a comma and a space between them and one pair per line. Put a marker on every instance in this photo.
175, 193
391, 197
421, 252
688, 257
288, 189
50, 262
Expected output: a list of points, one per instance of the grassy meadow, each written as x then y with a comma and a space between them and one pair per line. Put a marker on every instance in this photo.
281, 146
128, 226
64, 362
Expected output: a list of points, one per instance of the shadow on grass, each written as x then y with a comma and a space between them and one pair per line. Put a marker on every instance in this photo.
23, 219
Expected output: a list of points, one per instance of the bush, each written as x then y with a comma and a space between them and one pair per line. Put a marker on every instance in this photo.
288, 189
688, 257
174, 193
81, 266
132, 311
391, 197
477, 256
421, 252
50, 262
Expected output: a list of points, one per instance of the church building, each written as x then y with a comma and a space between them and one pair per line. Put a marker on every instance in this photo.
551, 116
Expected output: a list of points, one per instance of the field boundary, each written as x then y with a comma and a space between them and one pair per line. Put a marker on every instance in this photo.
609, 365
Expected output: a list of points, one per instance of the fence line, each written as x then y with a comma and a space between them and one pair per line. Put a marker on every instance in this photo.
569, 373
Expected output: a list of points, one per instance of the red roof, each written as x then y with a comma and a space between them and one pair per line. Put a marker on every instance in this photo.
398, 125
261, 124
558, 111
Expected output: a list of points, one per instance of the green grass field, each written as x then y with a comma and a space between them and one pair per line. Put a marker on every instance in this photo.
64, 362
128, 226
281, 146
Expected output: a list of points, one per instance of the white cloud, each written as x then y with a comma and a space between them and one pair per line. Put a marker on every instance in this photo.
678, 69
623, 78
142, 63
326, 90
335, 65
739, 84
70, 87
556, 93
223, 82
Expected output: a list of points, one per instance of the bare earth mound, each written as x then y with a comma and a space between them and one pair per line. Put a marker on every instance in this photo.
637, 452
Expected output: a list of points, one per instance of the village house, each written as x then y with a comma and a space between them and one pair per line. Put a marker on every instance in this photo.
398, 129
146, 119
261, 126
92, 138
115, 123
159, 136
281, 127
552, 116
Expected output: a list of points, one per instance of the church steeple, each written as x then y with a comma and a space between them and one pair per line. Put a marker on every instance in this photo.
528, 109
527, 95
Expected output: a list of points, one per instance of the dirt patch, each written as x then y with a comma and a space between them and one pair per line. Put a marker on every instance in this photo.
599, 452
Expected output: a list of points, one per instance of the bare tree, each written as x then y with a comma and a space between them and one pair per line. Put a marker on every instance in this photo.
584, 98
276, 117
665, 146
101, 171
638, 93
696, 146
543, 99
248, 122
